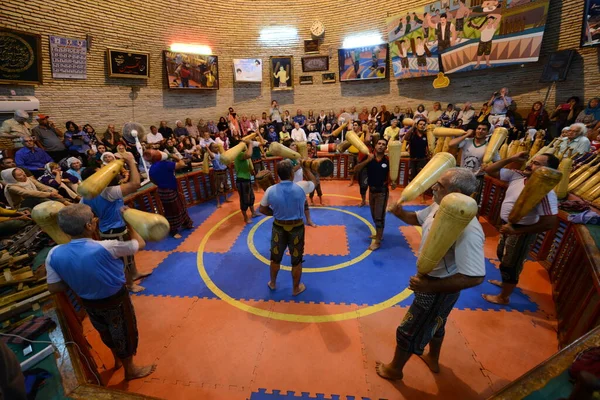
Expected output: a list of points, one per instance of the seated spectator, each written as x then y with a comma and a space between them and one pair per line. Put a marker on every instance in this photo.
222, 125
284, 134
206, 140
449, 115
212, 128
314, 136
14, 129
564, 115
483, 113
77, 141
245, 125
75, 168
575, 140
49, 138
327, 134
192, 130
32, 157
538, 117
64, 183
91, 132
591, 115
408, 113
300, 119
420, 113
165, 131
222, 140
363, 117
272, 135
26, 192
171, 150
298, 134
391, 132
154, 137
435, 114
466, 115
110, 138
180, 130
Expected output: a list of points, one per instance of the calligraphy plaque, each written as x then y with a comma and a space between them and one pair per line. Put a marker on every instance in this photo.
20, 57
123, 63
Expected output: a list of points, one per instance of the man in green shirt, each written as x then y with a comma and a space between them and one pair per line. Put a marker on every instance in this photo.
242, 165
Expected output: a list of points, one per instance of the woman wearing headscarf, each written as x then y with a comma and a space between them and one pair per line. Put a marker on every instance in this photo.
75, 168
24, 192
591, 115
538, 117
56, 179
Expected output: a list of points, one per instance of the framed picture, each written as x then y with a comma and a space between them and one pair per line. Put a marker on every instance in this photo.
247, 70
187, 71
282, 72
329, 77
363, 63
22, 57
590, 35
311, 46
124, 63
306, 80
315, 63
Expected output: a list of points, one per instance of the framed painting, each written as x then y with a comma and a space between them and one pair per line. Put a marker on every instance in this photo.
311, 46
363, 63
315, 63
306, 80
21, 60
247, 70
329, 77
125, 63
186, 71
282, 72
590, 35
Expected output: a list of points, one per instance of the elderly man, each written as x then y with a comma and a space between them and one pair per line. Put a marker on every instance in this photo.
391, 132
285, 201
94, 270
516, 239
32, 157
154, 137
49, 138
575, 140
16, 128
466, 114
462, 267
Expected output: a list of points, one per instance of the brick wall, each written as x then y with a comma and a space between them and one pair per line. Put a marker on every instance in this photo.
232, 31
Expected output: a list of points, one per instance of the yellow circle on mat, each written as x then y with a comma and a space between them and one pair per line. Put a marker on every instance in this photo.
362, 312
345, 264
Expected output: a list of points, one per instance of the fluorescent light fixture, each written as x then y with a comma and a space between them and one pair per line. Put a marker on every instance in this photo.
362, 39
274, 34
191, 48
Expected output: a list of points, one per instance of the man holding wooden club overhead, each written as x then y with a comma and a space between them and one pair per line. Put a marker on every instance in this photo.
516, 239
459, 267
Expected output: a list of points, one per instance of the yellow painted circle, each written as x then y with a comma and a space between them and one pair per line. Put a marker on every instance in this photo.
362, 312
345, 264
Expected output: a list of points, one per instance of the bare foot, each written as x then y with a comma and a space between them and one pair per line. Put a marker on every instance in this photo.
218, 205
351, 183
271, 286
135, 288
374, 245
255, 215
386, 372
432, 363
495, 282
141, 276
248, 221
310, 223
495, 299
177, 236
362, 204
140, 372
301, 288
118, 364
312, 203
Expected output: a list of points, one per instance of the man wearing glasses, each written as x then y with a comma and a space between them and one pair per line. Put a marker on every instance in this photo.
32, 157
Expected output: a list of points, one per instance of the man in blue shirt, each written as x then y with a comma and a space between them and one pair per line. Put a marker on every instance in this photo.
300, 119
285, 202
32, 157
94, 271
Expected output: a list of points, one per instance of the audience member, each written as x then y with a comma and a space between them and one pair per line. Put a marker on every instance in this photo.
154, 136
575, 140
298, 134
32, 157
537, 117
111, 138
165, 131
49, 138
179, 130
15, 128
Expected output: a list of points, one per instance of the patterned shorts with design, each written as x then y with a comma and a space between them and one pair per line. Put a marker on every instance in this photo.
287, 236
424, 320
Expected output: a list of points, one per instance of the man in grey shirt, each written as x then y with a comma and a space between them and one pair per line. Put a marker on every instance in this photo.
275, 116
49, 139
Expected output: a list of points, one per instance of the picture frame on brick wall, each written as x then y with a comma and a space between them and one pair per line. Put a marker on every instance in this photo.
126, 63
306, 80
329, 77
590, 35
311, 46
24, 64
186, 71
315, 63
282, 72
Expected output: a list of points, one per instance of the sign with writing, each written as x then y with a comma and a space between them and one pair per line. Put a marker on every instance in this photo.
128, 64
20, 57
68, 56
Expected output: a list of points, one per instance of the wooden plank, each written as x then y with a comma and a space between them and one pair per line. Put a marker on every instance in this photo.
22, 295
17, 308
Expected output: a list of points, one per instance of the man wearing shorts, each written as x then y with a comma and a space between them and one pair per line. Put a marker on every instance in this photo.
487, 30
242, 165
436, 292
285, 201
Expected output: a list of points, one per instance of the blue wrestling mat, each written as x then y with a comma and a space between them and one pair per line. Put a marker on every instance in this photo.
356, 277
